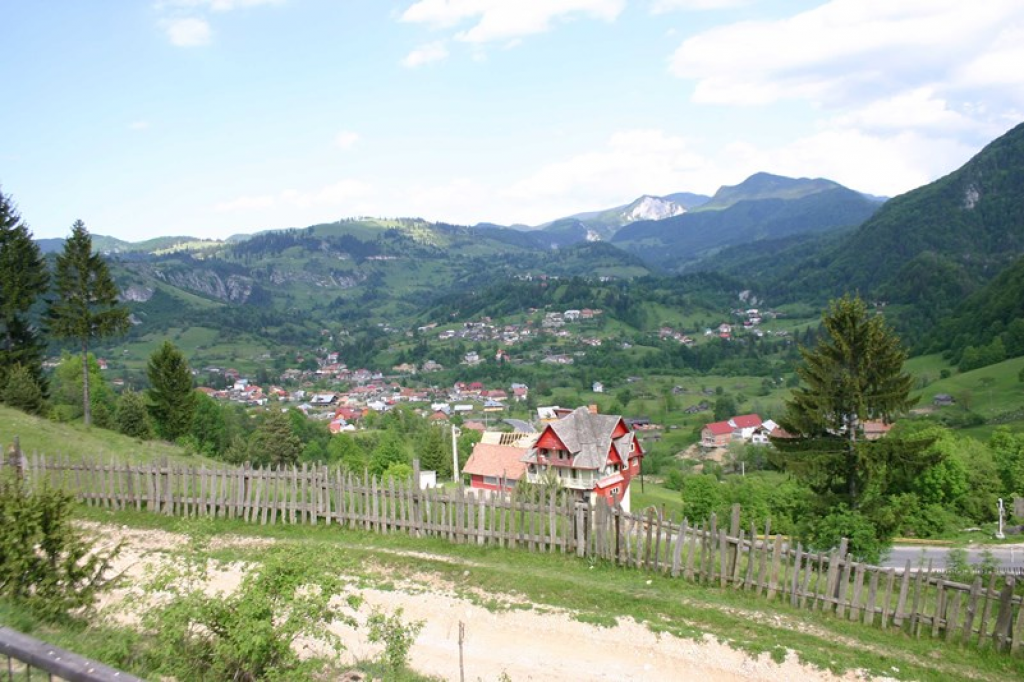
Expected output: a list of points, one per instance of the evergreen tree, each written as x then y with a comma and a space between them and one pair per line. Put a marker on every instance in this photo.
172, 400
86, 307
725, 407
273, 441
131, 417
435, 452
22, 392
209, 427
23, 279
854, 374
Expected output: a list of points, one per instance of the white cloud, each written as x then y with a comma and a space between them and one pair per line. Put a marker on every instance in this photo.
246, 203
505, 20
919, 109
188, 32
213, 5
885, 163
337, 195
845, 50
345, 139
426, 54
663, 6
632, 163
185, 21
138, 125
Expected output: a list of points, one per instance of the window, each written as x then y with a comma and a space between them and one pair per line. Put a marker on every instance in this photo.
491, 480
614, 492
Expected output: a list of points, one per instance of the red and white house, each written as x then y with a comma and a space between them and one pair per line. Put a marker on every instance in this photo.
720, 434
595, 455
493, 467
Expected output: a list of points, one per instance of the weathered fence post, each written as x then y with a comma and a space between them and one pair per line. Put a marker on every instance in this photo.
15, 459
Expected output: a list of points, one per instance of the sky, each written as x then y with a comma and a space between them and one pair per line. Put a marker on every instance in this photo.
209, 118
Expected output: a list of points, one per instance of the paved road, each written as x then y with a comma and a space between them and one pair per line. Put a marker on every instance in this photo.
918, 555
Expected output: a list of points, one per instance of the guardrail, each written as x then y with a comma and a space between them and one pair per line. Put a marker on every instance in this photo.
29, 658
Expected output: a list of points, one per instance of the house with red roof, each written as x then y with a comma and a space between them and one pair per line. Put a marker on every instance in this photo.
716, 435
720, 434
594, 455
493, 467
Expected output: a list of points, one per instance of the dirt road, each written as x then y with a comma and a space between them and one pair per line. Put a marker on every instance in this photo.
538, 645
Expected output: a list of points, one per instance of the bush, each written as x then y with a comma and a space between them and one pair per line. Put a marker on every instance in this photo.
397, 636
824, 533
23, 392
248, 634
45, 564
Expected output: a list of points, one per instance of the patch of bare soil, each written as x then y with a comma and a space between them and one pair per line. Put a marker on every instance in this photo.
539, 644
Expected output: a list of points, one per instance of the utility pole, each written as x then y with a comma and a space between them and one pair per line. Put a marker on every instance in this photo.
456, 432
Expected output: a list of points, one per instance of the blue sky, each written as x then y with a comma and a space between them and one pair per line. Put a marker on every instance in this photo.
214, 117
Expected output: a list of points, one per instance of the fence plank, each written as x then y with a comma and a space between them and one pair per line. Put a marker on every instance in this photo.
869, 608
677, 551
986, 606
901, 604
953, 616
1004, 618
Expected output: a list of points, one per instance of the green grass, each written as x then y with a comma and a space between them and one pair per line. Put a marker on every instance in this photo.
653, 495
74, 440
599, 593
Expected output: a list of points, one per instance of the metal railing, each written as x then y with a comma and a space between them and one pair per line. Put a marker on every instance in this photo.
27, 658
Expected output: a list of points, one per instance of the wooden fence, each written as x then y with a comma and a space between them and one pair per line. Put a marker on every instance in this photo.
986, 612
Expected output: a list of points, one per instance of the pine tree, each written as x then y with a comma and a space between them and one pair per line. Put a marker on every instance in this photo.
22, 392
854, 374
86, 307
435, 453
172, 400
273, 441
23, 279
131, 417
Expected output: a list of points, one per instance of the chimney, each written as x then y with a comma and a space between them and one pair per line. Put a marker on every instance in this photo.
592, 409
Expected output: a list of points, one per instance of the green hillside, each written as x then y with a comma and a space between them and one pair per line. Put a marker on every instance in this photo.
952, 235
766, 186
38, 435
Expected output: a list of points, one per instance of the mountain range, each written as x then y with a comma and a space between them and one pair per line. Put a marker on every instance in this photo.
786, 239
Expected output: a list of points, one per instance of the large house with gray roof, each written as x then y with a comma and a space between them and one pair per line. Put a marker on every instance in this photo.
594, 455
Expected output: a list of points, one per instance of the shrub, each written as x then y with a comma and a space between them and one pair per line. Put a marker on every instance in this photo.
248, 634
397, 636
22, 391
45, 563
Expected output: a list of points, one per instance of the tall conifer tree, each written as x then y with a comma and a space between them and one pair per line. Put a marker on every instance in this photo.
23, 279
172, 400
86, 308
854, 374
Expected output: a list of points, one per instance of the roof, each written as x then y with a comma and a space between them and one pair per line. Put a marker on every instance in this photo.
746, 421
496, 460
719, 428
588, 437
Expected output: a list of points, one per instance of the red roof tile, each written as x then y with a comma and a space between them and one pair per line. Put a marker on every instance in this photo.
496, 460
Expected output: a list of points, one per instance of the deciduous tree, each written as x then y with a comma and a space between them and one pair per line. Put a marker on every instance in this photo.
86, 307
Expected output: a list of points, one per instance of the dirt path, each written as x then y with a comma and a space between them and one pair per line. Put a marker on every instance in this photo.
536, 645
